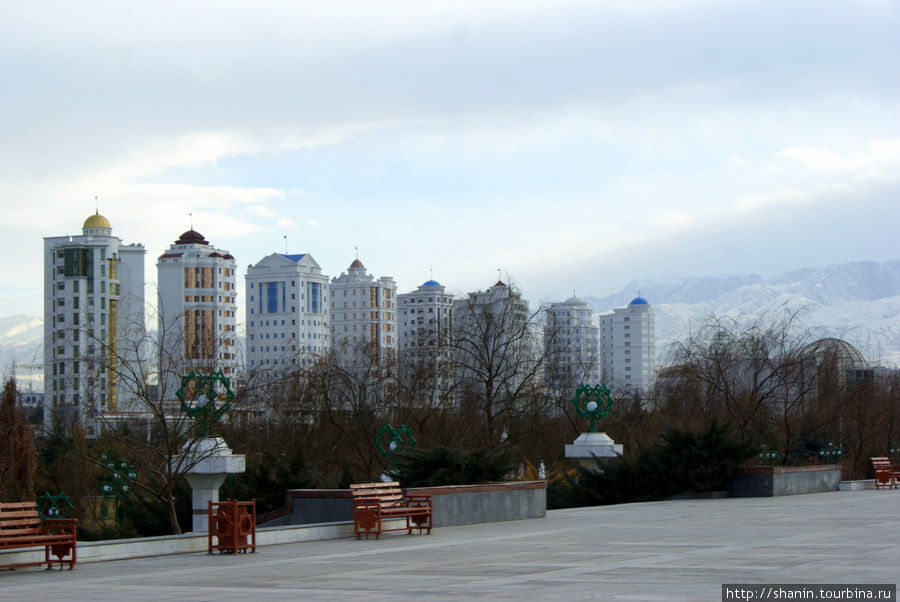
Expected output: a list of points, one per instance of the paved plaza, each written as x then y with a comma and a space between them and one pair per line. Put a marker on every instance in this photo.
675, 550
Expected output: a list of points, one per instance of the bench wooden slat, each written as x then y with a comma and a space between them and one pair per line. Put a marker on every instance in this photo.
385, 497
385, 491
18, 514
21, 531
19, 505
12, 524
375, 485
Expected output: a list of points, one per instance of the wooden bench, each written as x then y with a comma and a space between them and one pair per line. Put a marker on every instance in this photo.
374, 503
886, 474
21, 527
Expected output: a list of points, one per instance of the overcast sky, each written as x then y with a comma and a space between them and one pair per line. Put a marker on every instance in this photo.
571, 145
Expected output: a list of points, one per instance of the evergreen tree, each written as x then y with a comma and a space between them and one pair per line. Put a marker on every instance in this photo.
17, 455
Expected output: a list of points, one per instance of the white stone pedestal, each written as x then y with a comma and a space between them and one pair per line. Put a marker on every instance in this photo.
590, 445
212, 461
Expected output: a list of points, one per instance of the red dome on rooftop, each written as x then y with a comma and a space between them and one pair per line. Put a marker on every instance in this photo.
191, 237
357, 264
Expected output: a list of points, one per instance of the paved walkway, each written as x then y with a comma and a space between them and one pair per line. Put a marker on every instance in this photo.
678, 550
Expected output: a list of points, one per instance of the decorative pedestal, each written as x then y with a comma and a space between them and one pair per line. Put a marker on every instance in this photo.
593, 445
212, 461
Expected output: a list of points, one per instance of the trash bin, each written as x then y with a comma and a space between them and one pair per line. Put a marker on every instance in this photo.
232, 525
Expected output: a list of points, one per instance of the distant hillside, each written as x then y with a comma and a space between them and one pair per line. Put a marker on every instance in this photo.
21, 340
858, 301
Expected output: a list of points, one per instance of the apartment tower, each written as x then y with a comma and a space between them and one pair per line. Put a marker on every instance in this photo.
627, 347
197, 310
93, 317
287, 315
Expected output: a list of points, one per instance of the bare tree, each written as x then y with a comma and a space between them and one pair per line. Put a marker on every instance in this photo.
129, 393
499, 359
347, 396
766, 379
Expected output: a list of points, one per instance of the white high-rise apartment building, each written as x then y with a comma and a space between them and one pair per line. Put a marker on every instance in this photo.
627, 347
93, 314
502, 303
572, 344
425, 320
287, 315
197, 310
363, 314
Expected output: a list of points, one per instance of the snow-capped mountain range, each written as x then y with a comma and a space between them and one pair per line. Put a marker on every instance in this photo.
859, 302
21, 342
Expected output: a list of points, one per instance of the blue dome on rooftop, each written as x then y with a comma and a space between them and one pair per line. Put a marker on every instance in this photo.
432, 283
638, 301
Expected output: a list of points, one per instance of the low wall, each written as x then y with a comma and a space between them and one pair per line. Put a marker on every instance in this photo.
326, 514
453, 505
118, 549
768, 481
308, 506
491, 503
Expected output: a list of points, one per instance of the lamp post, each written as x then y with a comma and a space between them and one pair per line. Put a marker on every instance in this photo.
593, 403
206, 398
213, 397
830, 452
119, 481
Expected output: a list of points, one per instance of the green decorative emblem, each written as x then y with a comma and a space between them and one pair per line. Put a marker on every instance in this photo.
54, 506
205, 397
592, 402
390, 440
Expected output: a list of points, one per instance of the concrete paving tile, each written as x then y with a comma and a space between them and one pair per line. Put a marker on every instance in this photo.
678, 550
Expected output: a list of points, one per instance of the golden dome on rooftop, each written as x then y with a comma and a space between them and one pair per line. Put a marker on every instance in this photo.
96, 221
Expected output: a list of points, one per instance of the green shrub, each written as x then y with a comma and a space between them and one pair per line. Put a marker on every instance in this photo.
680, 461
267, 479
444, 466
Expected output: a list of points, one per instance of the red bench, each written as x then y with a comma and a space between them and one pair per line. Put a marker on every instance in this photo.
886, 474
22, 527
374, 503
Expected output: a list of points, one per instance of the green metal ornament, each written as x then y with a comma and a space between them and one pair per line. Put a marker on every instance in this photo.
54, 506
389, 440
593, 402
212, 397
